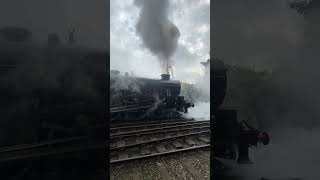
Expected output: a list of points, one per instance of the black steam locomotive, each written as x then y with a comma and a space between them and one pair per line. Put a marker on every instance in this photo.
138, 98
49, 90
231, 138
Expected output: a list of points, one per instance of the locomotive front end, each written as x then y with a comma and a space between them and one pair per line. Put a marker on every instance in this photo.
170, 94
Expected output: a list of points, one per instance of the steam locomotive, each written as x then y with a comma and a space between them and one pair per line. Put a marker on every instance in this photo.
138, 98
49, 90
231, 138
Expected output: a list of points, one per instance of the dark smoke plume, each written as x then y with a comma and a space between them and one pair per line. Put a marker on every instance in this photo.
158, 33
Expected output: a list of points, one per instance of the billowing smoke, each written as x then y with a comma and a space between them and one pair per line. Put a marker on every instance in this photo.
157, 32
199, 94
120, 84
292, 153
274, 36
201, 110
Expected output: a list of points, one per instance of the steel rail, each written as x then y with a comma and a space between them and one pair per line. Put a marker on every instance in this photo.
159, 140
154, 129
47, 151
159, 154
156, 124
139, 122
40, 144
161, 131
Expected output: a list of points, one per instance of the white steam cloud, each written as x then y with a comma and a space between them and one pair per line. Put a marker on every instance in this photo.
201, 109
292, 153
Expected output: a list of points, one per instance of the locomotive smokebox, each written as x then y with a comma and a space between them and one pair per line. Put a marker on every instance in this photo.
165, 76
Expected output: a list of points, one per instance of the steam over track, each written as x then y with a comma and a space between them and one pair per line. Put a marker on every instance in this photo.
139, 140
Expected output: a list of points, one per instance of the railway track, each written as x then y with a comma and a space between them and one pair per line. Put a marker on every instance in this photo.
127, 141
149, 139
133, 122
49, 148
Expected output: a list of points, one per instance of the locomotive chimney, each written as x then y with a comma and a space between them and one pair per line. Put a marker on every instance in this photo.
165, 76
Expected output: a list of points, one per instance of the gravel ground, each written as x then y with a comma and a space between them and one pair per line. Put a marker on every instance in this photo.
147, 169
201, 161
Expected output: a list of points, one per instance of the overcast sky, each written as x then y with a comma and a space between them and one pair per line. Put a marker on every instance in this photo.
88, 17
128, 53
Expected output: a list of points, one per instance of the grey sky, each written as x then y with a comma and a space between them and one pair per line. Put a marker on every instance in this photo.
89, 18
128, 53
